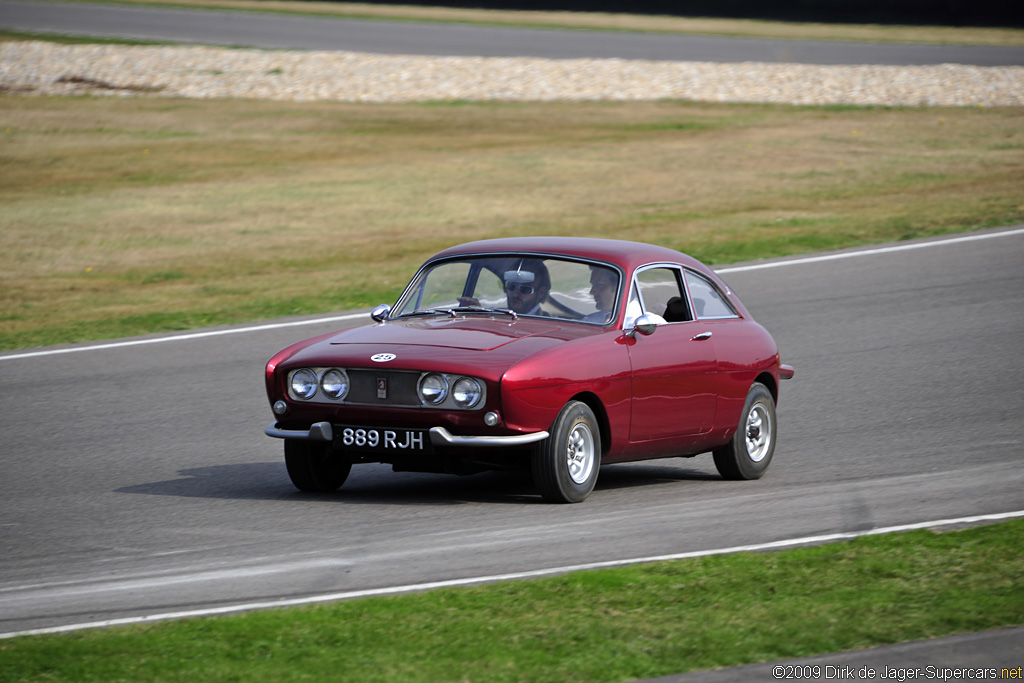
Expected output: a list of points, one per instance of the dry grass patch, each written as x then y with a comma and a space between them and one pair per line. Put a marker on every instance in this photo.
128, 216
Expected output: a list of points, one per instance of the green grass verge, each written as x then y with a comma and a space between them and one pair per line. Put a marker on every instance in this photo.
640, 621
7, 35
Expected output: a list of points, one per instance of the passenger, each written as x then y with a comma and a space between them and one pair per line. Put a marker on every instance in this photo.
603, 286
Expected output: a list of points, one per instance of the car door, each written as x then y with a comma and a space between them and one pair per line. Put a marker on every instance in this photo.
736, 343
674, 369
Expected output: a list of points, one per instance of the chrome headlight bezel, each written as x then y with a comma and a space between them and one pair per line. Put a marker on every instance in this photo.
433, 388
467, 392
303, 384
334, 384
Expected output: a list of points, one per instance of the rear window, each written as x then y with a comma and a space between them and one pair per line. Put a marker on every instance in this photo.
708, 302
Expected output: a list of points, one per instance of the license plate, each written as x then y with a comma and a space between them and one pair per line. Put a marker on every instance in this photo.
376, 439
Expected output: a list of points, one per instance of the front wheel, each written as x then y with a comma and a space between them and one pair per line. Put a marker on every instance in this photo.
314, 466
565, 465
749, 453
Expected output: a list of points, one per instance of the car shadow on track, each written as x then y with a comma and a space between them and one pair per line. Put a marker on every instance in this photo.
378, 485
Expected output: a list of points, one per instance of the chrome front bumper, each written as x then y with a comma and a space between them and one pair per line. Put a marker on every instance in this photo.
318, 431
439, 436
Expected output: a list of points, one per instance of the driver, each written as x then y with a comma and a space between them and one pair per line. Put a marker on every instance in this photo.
526, 286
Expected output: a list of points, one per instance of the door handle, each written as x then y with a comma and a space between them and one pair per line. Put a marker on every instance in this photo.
702, 336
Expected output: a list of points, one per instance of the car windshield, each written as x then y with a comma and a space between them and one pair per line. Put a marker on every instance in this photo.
526, 285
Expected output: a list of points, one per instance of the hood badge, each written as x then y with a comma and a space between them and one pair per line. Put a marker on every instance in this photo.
383, 357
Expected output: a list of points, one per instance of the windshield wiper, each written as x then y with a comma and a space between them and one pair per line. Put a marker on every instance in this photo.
453, 310
482, 309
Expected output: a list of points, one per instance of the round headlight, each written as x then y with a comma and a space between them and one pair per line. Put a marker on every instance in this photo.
467, 392
433, 388
334, 383
303, 383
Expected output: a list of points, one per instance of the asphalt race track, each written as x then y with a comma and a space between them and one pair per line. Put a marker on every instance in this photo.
137, 480
253, 29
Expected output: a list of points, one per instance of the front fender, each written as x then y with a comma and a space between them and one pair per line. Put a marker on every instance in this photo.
535, 390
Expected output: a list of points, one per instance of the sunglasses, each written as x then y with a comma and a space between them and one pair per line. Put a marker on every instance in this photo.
511, 287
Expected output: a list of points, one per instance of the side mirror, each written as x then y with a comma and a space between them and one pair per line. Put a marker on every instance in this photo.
645, 325
381, 313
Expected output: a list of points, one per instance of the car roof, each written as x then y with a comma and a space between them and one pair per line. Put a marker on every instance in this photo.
627, 255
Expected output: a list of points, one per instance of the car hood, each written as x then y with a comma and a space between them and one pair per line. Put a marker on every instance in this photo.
480, 334
483, 345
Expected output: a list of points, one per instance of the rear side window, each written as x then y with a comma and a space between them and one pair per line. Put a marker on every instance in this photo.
708, 302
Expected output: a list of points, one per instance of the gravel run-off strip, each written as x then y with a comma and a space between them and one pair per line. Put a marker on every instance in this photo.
35, 67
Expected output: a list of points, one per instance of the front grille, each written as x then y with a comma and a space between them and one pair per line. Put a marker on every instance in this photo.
400, 387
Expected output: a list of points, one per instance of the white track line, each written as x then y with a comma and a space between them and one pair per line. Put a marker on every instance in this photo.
185, 337
339, 318
870, 252
538, 573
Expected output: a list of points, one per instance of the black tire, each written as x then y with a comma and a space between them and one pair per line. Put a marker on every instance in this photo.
565, 465
750, 451
314, 466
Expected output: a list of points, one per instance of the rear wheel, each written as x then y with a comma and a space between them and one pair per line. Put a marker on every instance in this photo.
314, 466
565, 465
749, 453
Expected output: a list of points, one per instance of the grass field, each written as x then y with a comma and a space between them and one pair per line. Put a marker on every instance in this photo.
128, 216
641, 621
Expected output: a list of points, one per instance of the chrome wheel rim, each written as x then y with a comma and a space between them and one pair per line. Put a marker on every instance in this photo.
580, 456
758, 432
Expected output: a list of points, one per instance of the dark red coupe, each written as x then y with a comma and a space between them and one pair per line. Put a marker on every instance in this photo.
551, 354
